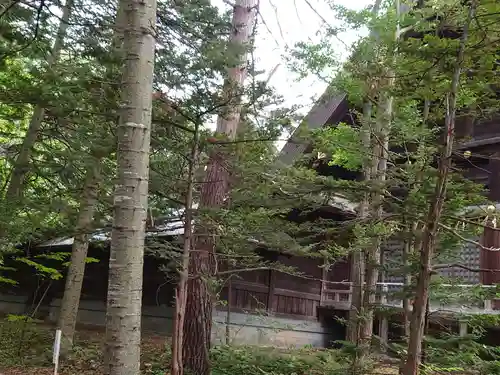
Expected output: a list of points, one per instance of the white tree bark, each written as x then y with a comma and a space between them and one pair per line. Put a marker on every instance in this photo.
74, 278
124, 302
76, 270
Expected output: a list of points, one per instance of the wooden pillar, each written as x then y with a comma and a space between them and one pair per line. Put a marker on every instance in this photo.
464, 126
270, 295
494, 177
384, 321
490, 260
323, 284
463, 328
491, 237
228, 312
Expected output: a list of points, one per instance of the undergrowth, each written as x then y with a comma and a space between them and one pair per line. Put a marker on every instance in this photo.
26, 344
269, 361
22, 342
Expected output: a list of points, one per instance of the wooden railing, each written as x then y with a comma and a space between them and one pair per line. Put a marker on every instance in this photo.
452, 299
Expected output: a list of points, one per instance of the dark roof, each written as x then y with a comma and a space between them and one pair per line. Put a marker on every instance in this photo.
330, 106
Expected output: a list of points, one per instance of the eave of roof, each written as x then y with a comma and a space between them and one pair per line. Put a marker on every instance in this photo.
322, 111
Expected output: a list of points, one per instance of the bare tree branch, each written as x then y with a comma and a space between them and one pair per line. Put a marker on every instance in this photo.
468, 240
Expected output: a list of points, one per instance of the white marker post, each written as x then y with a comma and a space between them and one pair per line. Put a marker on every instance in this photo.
56, 350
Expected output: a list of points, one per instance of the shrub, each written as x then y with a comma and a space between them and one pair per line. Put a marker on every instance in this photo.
22, 342
270, 361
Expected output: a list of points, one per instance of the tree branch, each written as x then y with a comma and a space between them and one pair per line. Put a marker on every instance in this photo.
458, 235
462, 266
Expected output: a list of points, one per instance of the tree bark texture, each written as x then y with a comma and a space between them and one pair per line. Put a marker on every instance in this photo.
198, 318
124, 301
22, 163
76, 270
358, 266
74, 281
378, 176
177, 365
428, 246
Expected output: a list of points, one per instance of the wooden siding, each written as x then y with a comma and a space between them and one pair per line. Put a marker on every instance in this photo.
285, 294
490, 259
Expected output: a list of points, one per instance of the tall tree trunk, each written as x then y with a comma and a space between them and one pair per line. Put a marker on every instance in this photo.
378, 175
124, 302
407, 251
72, 291
411, 244
428, 245
358, 258
177, 365
358, 266
198, 318
74, 278
22, 163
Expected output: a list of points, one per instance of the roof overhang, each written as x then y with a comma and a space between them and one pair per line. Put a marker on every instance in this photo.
327, 107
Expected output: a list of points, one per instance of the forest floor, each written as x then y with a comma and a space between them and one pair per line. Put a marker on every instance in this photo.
26, 349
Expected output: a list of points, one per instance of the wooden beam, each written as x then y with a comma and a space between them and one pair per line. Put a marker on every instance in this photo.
250, 287
494, 177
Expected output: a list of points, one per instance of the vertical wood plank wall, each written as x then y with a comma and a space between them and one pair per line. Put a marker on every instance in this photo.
282, 293
490, 260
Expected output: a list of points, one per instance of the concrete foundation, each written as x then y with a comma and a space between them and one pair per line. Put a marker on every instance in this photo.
244, 328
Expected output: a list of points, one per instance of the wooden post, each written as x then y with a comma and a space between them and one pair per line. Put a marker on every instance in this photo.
490, 260
384, 321
228, 312
488, 305
270, 295
323, 284
462, 328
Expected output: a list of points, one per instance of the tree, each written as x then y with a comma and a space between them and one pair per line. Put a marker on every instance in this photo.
428, 246
88, 206
427, 50
21, 165
198, 318
123, 314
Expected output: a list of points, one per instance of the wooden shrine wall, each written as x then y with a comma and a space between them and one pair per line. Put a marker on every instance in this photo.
276, 292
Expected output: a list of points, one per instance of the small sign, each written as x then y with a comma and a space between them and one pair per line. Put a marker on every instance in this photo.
56, 350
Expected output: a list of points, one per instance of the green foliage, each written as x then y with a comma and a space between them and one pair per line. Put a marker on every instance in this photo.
41, 269
268, 361
343, 143
23, 343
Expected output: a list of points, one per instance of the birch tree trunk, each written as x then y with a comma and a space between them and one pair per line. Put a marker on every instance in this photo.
428, 246
74, 278
198, 318
22, 163
124, 302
